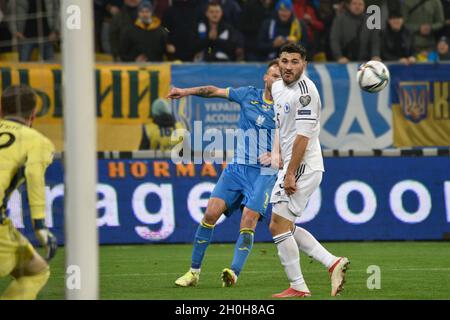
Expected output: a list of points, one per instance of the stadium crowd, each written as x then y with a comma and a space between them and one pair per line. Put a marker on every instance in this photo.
239, 30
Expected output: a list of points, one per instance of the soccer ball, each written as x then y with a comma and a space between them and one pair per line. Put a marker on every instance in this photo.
373, 76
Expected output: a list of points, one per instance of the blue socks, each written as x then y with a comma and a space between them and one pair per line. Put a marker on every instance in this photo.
242, 249
202, 240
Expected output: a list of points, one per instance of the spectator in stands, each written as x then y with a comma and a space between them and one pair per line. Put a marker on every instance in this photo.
397, 42
216, 40
181, 22
113, 6
327, 10
350, 38
304, 11
39, 30
146, 40
120, 22
277, 31
160, 133
160, 7
424, 19
442, 51
99, 13
230, 8
5, 35
104, 11
394, 5
254, 12
446, 29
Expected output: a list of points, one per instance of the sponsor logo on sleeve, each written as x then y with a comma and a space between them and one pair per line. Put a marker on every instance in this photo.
304, 112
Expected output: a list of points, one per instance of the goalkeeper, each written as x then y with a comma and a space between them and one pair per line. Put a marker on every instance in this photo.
24, 157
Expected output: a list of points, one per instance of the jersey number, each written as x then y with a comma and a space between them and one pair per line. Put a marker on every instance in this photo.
10, 141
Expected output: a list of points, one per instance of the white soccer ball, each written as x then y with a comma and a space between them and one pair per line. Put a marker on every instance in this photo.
373, 76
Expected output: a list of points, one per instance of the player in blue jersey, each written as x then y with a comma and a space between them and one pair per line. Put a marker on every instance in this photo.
242, 184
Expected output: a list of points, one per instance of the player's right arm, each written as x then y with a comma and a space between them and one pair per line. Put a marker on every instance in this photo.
204, 91
38, 159
237, 95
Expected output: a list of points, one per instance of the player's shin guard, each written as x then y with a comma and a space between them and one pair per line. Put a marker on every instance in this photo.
309, 245
242, 249
290, 259
26, 287
202, 239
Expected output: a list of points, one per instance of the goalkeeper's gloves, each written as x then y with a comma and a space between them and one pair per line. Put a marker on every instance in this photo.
46, 239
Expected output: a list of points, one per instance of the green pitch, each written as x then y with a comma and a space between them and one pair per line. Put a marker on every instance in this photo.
409, 270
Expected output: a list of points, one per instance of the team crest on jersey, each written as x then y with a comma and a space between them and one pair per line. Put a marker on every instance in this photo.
266, 107
287, 108
260, 120
305, 100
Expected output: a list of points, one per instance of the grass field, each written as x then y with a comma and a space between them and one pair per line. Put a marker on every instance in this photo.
409, 270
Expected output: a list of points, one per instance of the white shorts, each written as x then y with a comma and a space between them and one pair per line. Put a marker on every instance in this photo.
291, 207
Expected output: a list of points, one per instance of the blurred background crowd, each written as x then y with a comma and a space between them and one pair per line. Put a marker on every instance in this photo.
236, 30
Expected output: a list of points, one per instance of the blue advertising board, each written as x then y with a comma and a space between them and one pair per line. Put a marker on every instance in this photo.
360, 198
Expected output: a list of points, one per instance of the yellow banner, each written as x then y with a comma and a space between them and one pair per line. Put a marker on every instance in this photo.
422, 117
125, 94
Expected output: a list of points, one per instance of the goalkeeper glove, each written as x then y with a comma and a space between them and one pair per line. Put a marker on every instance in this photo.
46, 239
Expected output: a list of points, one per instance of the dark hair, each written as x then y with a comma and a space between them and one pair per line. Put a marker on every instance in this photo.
348, 2
294, 48
213, 3
272, 63
395, 13
18, 100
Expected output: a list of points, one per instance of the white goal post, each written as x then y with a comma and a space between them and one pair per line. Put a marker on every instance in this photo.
80, 160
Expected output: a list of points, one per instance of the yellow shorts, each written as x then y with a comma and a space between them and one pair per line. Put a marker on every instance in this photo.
15, 250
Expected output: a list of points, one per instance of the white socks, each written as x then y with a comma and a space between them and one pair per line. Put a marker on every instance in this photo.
195, 270
290, 259
309, 245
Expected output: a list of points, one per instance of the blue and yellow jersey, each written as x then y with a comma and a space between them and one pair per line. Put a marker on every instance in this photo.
257, 123
155, 137
25, 155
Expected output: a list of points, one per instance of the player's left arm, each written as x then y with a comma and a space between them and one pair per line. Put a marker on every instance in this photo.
39, 158
204, 91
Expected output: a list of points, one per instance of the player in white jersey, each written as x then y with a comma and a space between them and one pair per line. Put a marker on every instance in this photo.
297, 111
